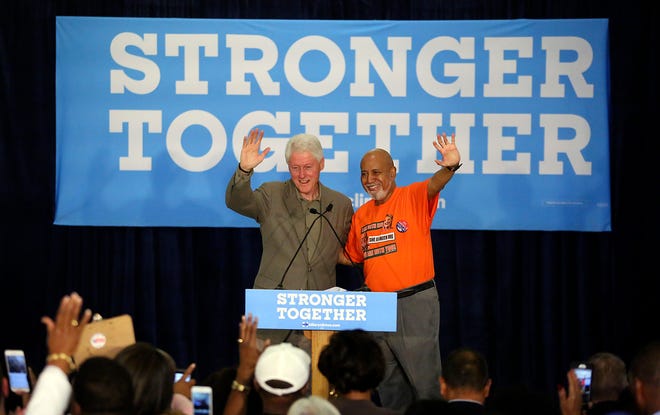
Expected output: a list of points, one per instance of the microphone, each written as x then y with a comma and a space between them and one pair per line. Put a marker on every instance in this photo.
280, 286
322, 215
327, 209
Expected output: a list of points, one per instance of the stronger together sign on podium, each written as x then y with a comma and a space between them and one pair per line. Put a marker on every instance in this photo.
322, 310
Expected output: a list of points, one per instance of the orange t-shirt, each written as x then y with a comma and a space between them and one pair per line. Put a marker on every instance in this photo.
393, 240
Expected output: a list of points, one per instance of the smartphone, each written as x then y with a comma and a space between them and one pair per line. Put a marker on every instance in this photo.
178, 374
583, 372
202, 399
17, 371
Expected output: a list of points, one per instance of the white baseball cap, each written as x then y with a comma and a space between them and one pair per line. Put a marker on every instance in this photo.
282, 369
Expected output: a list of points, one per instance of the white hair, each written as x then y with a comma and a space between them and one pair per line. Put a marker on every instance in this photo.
301, 143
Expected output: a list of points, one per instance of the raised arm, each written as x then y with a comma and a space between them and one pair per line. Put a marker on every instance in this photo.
249, 351
239, 193
52, 392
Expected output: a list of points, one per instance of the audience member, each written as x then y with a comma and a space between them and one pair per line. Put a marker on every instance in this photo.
464, 382
312, 405
570, 399
241, 396
11, 403
102, 386
52, 392
279, 373
644, 379
152, 373
281, 376
4, 390
221, 382
609, 385
354, 365
274, 379
182, 399
609, 391
185, 383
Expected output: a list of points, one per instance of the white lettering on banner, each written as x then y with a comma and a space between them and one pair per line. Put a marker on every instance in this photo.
554, 46
330, 299
365, 55
292, 66
135, 121
175, 136
238, 44
191, 44
119, 80
501, 67
393, 79
314, 306
324, 314
502, 157
159, 109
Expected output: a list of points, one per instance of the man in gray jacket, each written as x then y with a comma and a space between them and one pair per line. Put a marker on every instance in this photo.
289, 211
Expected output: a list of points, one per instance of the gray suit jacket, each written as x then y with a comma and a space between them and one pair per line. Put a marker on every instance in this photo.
275, 206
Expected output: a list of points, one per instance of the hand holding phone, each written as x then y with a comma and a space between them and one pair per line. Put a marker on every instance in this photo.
583, 372
202, 399
183, 381
17, 371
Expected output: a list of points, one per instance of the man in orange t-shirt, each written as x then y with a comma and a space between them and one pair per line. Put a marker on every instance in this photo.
391, 236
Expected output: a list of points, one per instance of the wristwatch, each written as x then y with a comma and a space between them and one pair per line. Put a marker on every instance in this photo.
454, 168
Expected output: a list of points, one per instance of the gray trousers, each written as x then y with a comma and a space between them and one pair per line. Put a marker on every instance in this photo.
412, 353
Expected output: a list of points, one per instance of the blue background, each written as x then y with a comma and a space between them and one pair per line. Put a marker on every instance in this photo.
91, 190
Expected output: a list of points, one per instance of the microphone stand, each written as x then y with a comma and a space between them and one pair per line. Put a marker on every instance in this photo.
364, 286
280, 286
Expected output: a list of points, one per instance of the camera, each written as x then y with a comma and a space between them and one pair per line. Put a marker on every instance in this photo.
178, 374
202, 399
583, 371
17, 371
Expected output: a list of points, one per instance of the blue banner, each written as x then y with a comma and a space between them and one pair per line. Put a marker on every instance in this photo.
151, 114
322, 310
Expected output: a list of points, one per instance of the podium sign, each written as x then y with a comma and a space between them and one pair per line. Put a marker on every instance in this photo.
322, 310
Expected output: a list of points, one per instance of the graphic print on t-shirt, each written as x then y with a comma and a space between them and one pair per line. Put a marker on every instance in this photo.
379, 236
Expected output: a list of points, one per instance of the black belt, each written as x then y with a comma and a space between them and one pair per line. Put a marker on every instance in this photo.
407, 292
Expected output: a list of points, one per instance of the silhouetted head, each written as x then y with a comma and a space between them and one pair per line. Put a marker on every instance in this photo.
352, 361
152, 373
102, 386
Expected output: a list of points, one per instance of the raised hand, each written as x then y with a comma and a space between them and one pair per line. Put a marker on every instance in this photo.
183, 385
447, 148
570, 401
249, 348
250, 155
65, 331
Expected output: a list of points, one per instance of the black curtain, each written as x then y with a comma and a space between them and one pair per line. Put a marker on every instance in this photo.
531, 301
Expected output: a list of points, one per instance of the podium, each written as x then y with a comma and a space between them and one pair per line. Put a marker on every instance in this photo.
319, 314
319, 338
